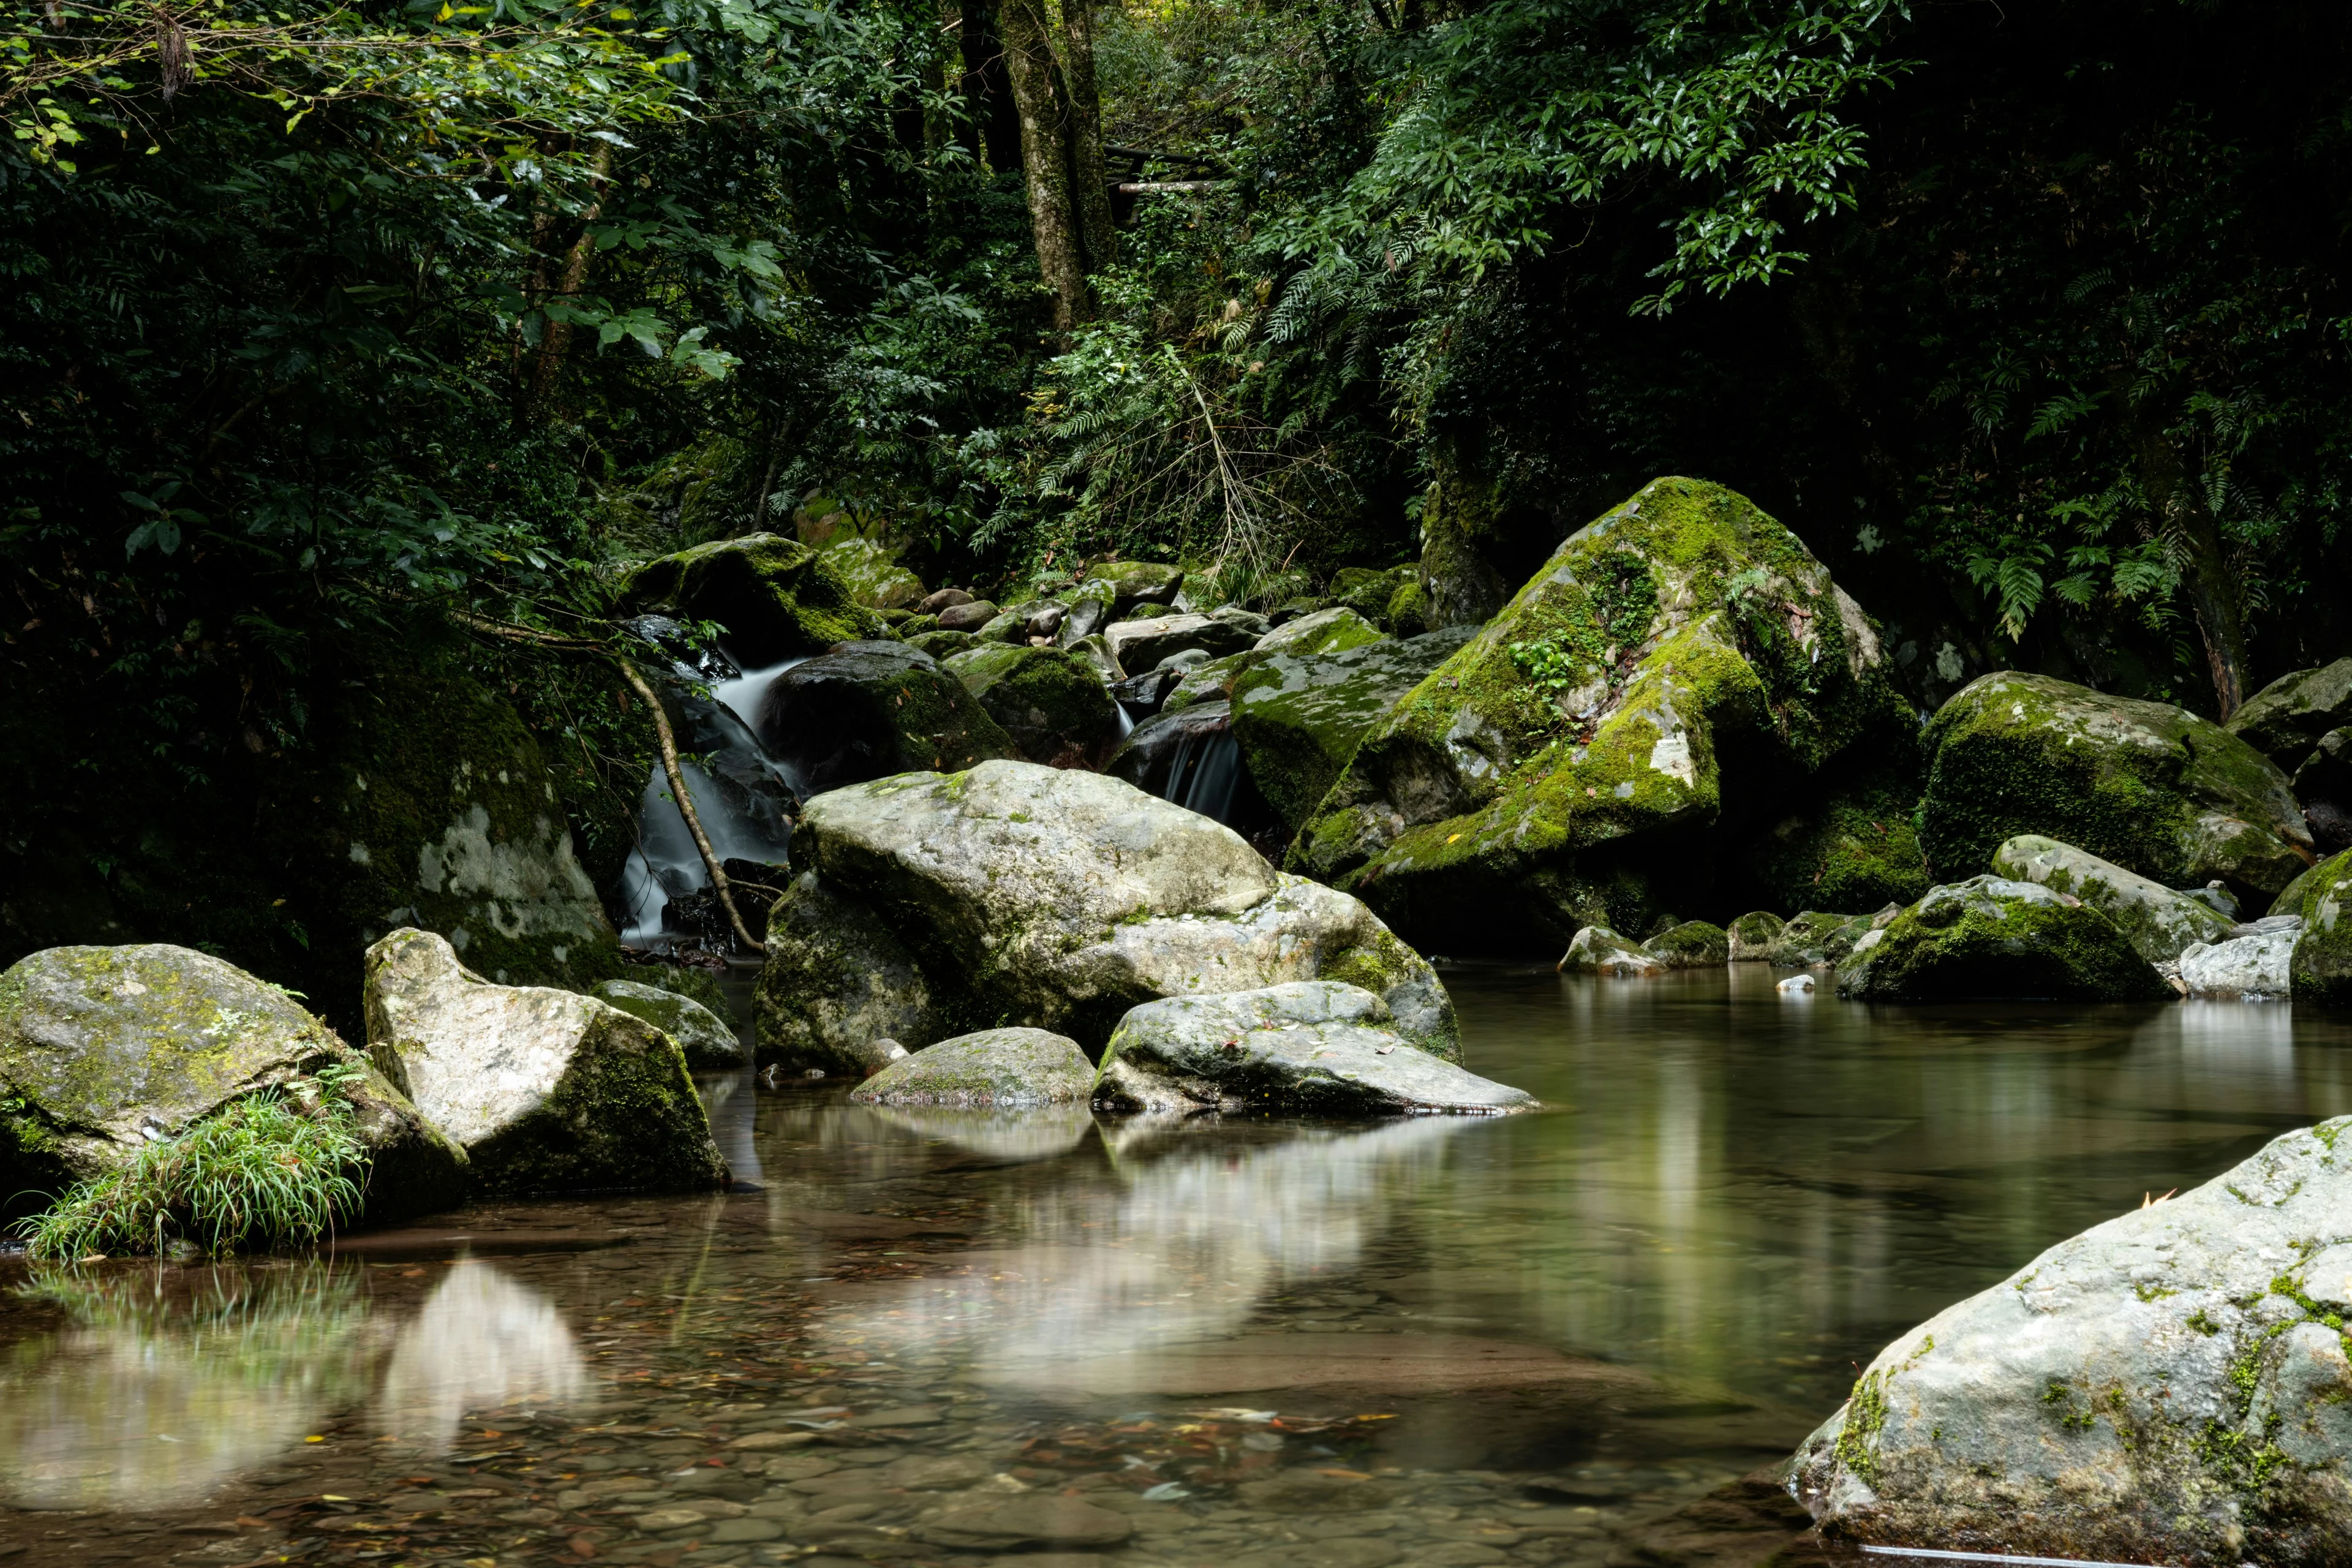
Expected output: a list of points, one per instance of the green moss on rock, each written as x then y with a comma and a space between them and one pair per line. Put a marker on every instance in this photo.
2321, 971
1693, 944
1680, 662
776, 597
1052, 702
1856, 846
2285, 720
1299, 718
1752, 936
1987, 937
2151, 787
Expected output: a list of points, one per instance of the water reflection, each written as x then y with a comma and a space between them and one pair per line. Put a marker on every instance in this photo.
482, 1339
163, 1385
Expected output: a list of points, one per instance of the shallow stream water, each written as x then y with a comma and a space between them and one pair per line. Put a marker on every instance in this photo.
1578, 1337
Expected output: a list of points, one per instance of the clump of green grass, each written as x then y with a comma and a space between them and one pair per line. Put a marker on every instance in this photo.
265, 1170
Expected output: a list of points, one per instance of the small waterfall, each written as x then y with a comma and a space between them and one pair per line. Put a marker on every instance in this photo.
1202, 775
1189, 757
745, 798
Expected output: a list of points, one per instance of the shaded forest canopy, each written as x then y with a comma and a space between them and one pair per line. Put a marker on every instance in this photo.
324, 323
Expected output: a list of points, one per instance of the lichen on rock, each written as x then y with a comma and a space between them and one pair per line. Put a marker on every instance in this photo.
1678, 668
1298, 716
1052, 702
1991, 937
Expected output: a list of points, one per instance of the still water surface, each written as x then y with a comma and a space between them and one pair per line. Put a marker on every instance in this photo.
935, 1337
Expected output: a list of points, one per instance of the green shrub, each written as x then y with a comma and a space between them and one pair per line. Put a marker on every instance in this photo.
267, 1171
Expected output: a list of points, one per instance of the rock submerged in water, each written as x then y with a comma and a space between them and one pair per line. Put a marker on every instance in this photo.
1313, 1049
1989, 937
2149, 787
2170, 1386
1003, 1069
1027, 895
545, 1091
2161, 923
1597, 950
103, 1049
1693, 944
710, 1046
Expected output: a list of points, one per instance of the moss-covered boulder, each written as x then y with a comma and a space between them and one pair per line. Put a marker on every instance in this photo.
868, 710
546, 1090
871, 571
1321, 631
2321, 971
708, 1042
1991, 937
836, 983
1752, 935
2323, 787
942, 645
1299, 717
1676, 670
2161, 923
2151, 787
2285, 720
1052, 703
1001, 1069
776, 597
1693, 944
1853, 845
1815, 937
1210, 682
1058, 900
1597, 950
1314, 1049
1126, 586
105, 1048
1370, 593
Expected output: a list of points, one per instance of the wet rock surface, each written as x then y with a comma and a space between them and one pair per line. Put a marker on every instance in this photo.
2166, 1387
2161, 923
1991, 937
999, 1069
868, 710
1142, 643
545, 1091
709, 1041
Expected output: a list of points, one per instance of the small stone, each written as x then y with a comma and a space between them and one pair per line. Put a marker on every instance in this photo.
1033, 1520
762, 1440
743, 1529
668, 1519
899, 1415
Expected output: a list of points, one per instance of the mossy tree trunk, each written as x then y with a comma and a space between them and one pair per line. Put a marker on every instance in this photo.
1060, 109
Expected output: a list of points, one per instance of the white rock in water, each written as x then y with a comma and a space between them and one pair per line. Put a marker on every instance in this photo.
2252, 966
1799, 984
546, 1090
2170, 1386
1597, 950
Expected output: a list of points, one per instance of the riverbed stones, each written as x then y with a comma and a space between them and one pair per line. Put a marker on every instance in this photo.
1140, 645
1312, 1048
2253, 966
1752, 935
1051, 703
776, 597
1010, 1069
1597, 950
2286, 719
1059, 899
710, 1044
1677, 669
1991, 937
546, 1090
1037, 1521
2165, 1387
103, 1049
836, 985
2161, 923
1301, 710
2145, 785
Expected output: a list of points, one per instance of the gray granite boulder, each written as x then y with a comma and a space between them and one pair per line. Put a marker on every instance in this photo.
836, 983
1058, 899
546, 1090
103, 1049
1012, 1069
1316, 1048
1140, 645
2286, 719
1597, 950
1989, 937
2254, 966
2162, 924
2170, 1386
710, 1044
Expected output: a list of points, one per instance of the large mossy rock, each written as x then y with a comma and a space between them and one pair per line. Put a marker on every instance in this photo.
994, 1069
2162, 924
1676, 670
868, 710
2321, 972
438, 811
1316, 1048
709, 1043
103, 1049
1991, 937
1298, 716
837, 984
2170, 1386
546, 1090
776, 597
1853, 845
1320, 631
2285, 720
1053, 899
1052, 703
2151, 787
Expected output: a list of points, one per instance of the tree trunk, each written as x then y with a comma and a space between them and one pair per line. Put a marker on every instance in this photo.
1045, 163
987, 90
2173, 491
1090, 182
555, 341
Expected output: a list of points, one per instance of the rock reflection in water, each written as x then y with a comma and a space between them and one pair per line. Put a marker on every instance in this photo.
482, 1339
167, 1384
1195, 1227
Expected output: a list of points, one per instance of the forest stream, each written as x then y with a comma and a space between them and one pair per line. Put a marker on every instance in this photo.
1591, 1336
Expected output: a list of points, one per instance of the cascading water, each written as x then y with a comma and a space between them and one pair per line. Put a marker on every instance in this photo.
1203, 771
745, 798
